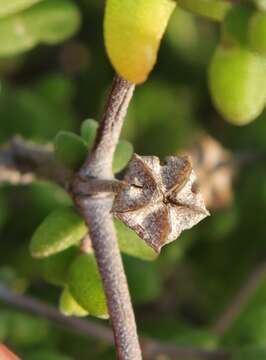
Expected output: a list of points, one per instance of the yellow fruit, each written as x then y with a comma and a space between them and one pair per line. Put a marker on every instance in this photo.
133, 30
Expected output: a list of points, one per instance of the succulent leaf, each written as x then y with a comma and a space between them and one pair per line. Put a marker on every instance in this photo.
133, 31
70, 149
85, 285
61, 229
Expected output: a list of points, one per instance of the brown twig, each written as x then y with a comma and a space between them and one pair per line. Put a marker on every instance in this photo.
240, 300
88, 328
22, 161
96, 211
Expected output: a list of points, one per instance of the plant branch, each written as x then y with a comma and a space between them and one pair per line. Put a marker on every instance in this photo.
241, 299
95, 186
96, 210
151, 348
21, 162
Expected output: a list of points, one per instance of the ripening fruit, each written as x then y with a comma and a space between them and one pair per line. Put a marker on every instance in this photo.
257, 32
133, 30
85, 285
237, 84
61, 229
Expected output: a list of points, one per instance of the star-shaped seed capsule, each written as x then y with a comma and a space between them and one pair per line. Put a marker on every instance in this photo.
160, 201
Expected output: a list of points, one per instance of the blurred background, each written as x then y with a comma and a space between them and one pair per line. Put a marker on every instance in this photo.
180, 296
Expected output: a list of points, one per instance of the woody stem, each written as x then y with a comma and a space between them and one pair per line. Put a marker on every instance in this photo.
96, 212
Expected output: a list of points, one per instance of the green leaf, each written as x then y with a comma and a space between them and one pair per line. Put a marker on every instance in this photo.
131, 244
257, 31
249, 353
46, 354
235, 25
53, 21
49, 22
88, 131
70, 149
143, 279
4, 325
198, 338
237, 84
14, 6
54, 268
25, 330
123, 151
68, 305
85, 285
61, 229
249, 328
123, 154
211, 9
14, 36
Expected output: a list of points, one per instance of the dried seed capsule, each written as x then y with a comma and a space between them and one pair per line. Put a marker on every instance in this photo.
237, 84
133, 31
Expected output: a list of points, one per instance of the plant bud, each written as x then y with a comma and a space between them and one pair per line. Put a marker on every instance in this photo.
237, 84
85, 285
133, 31
61, 229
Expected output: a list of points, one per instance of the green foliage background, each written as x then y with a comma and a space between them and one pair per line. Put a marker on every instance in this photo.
179, 296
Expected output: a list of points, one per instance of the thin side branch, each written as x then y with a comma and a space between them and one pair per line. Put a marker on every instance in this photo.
240, 301
95, 186
22, 162
151, 348
96, 210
